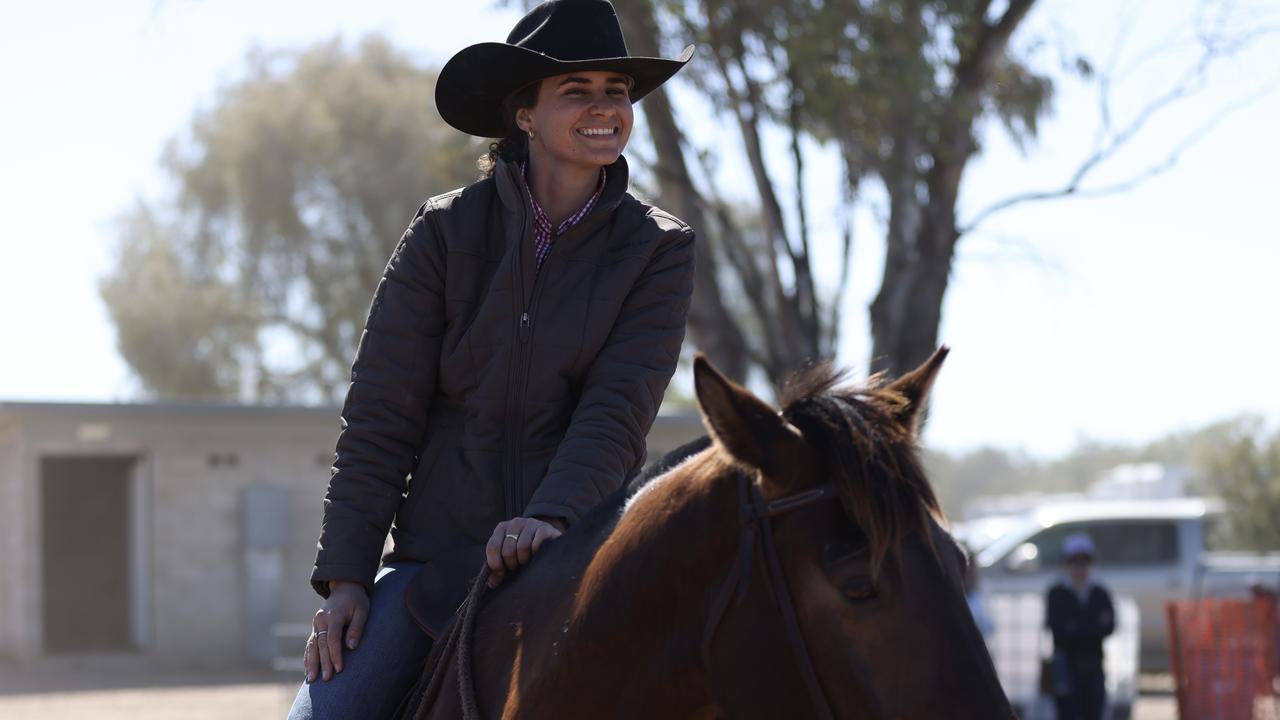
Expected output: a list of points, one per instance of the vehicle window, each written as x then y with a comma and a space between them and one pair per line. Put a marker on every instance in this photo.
1119, 544
1136, 543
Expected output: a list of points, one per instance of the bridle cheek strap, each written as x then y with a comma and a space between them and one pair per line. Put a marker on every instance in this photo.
755, 515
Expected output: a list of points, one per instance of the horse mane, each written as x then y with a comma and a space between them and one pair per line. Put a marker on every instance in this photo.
866, 435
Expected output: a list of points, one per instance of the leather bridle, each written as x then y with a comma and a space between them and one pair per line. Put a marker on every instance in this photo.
755, 515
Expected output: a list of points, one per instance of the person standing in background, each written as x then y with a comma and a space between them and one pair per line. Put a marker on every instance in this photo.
1079, 613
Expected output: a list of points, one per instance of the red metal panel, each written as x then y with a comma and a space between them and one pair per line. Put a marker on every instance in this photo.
1226, 658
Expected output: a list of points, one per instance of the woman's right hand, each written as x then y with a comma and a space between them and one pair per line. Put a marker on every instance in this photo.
340, 621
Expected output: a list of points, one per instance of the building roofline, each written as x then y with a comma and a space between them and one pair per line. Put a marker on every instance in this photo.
69, 409
26, 409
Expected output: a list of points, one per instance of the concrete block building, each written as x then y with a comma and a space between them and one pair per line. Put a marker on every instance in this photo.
181, 533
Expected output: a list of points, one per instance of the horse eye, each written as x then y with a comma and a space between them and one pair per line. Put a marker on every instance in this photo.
858, 589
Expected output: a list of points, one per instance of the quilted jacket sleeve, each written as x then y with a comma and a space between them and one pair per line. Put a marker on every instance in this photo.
606, 437
385, 414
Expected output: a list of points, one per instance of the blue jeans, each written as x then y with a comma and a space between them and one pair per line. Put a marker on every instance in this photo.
381, 670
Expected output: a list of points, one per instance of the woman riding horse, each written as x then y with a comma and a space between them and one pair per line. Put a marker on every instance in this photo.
516, 350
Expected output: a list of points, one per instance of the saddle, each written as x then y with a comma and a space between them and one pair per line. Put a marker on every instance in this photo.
440, 587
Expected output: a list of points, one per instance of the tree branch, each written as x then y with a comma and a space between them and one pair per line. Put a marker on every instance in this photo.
806, 292
1180, 91
746, 103
974, 70
836, 312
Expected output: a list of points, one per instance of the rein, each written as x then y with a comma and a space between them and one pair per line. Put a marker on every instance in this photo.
456, 644
755, 515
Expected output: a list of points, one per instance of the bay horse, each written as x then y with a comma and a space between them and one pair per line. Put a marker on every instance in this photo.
789, 565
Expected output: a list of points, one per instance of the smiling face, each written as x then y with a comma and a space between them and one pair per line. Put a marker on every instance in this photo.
581, 119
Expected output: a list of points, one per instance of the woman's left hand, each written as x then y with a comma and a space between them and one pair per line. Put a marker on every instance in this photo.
514, 543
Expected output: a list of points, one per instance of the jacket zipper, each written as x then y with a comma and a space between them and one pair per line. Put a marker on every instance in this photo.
513, 437
514, 488
524, 332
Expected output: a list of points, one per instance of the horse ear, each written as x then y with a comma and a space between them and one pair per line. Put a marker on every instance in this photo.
915, 387
747, 427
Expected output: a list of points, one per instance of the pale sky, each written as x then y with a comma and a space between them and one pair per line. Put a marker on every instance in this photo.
1121, 318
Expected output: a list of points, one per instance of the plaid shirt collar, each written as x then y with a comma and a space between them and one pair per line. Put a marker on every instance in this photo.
544, 234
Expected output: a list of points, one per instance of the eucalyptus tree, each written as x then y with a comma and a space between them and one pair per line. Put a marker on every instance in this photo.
291, 190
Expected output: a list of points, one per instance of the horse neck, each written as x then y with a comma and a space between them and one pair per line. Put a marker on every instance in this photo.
660, 555
640, 600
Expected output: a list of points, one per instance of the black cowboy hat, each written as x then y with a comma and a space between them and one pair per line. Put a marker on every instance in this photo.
557, 37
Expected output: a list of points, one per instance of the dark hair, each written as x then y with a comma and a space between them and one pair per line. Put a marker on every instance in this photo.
515, 146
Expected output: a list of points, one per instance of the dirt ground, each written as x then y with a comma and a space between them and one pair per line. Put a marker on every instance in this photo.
242, 702
63, 693
123, 692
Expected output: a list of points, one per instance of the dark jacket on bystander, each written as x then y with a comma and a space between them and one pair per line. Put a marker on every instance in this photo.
1079, 624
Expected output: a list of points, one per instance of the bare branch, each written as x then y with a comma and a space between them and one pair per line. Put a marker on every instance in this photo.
806, 292
750, 124
746, 102
1013, 249
1105, 78
734, 248
742, 259
842, 285
1072, 187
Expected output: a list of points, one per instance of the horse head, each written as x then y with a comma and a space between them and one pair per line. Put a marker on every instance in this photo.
880, 626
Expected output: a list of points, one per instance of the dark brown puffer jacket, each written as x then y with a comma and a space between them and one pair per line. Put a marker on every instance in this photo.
502, 391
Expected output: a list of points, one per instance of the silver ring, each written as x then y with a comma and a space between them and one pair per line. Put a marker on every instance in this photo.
321, 633
514, 537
